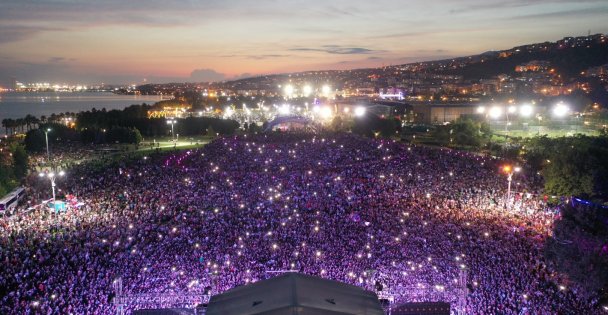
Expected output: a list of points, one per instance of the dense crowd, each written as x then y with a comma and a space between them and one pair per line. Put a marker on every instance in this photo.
366, 212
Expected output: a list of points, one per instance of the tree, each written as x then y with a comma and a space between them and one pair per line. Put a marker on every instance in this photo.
6, 124
123, 135
211, 132
579, 246
371, 124
20, 161
89, 135
35, 140
136, 136
9, 124
462, 132
571, 165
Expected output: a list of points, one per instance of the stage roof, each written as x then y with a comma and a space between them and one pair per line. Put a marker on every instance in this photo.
296, 294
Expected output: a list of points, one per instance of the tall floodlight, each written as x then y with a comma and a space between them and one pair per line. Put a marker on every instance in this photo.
51, 176
46, 137
495, 112
326, 90
561, 110
172, 121
307, 90
526, 110
509, 170
289, 90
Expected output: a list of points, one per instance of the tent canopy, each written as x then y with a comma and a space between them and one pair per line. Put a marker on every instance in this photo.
296, 294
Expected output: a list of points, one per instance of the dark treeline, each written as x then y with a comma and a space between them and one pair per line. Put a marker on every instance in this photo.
13, 168
136, 116
129, 125
579, 247
24, 124
570, 166
373, 125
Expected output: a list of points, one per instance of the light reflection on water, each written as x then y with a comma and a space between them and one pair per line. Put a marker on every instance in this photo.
17, 105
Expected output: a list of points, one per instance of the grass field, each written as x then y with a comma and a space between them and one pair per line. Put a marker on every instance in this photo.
551, 133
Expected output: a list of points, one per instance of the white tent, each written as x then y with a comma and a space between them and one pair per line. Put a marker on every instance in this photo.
295, 294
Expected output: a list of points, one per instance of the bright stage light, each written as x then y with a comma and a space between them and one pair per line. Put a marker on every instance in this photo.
359, 111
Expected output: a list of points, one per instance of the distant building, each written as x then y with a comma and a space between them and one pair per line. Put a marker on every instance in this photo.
441, 113
534, 66
13, 85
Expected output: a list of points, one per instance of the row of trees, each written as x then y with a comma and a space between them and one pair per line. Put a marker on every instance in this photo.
21, 124
570, 166
136, 116
372, 125
578, 248
463, 132
129, 125
13, 168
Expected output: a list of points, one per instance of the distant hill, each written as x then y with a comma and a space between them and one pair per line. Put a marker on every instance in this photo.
569, 56
568, 61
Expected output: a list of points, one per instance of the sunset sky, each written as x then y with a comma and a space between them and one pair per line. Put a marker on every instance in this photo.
126, 41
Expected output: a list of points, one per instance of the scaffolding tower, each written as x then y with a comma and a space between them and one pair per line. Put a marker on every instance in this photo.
176, 299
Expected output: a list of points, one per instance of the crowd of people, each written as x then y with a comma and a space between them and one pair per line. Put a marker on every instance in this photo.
379, 214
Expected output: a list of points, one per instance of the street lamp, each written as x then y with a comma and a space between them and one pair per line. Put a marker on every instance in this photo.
172, 122
509, 170
510, 110
46, 137
51, 176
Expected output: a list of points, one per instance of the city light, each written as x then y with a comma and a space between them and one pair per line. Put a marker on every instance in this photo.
359, 111
512, 109
561, 110
526, 110
228, 111
481, 109
495, 112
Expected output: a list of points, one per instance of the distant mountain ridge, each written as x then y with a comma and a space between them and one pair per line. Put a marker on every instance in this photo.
569, 56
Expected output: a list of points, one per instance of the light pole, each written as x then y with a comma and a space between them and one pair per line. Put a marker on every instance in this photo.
510, 171
46, 137
172, 122
51, 176
510, 110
